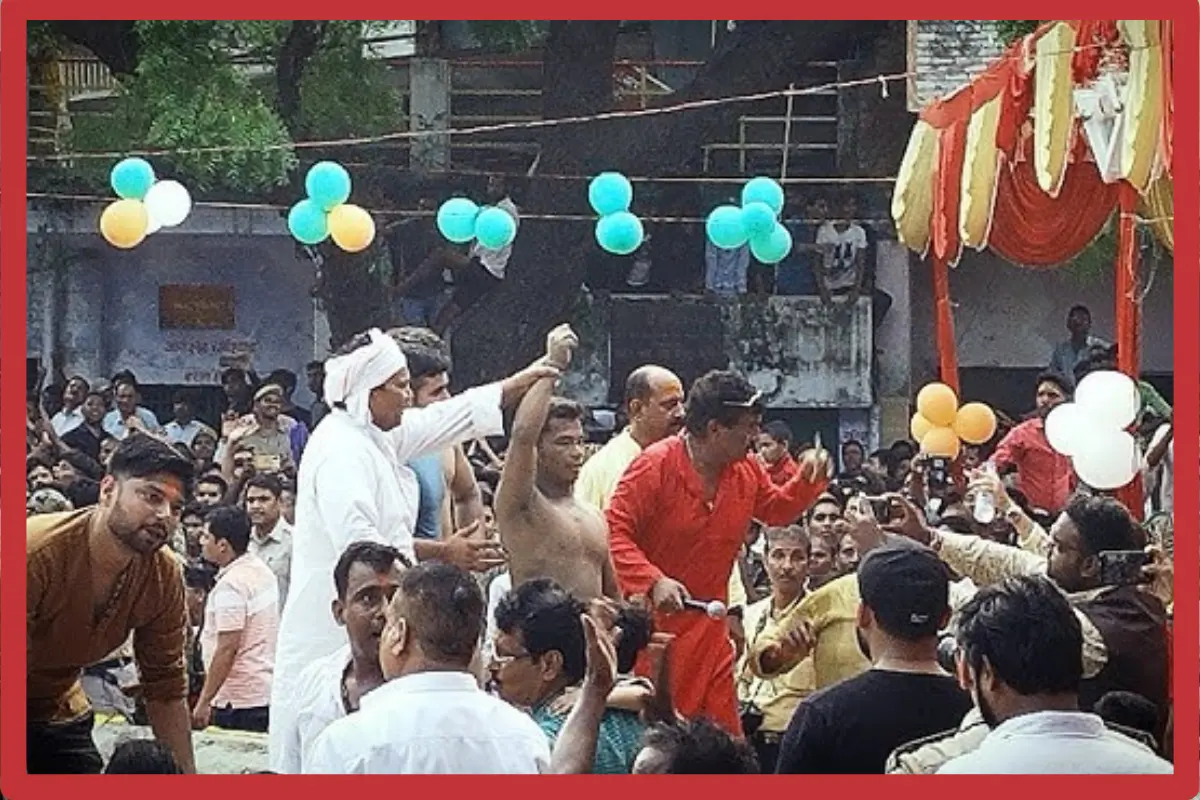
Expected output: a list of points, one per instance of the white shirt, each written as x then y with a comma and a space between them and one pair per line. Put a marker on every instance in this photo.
318, 700
66, 421
114, 423
354, 486
431, 723
1166, 469
1057, 743
496, 261
183, 433
497, 589
839, 265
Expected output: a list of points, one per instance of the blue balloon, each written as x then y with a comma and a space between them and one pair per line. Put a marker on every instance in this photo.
725, 227
495, 228
131, 178
307, 222
620, 233
772, 248
763, 190
456, 219
610, 192
758, 218
327, 184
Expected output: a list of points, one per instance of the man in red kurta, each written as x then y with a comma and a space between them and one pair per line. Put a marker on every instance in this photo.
1044, 475
678, 519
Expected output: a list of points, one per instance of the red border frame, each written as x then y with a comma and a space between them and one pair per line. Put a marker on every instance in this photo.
18, 785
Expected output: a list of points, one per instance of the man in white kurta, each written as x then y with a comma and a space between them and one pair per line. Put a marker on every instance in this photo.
353, 485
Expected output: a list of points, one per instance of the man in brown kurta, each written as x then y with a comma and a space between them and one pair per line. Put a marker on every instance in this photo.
93, 577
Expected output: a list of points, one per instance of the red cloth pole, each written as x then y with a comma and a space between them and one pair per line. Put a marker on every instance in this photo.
1128, 316
944, 315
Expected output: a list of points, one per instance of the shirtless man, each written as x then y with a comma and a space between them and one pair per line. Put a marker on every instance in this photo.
546, 531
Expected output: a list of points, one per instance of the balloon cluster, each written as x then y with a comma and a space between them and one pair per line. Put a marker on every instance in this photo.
941, 427
757, 222
460, 220
146, 205
325, 214
618, 231
1092, 430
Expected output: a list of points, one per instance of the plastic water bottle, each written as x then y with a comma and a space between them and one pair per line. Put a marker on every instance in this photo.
984, 510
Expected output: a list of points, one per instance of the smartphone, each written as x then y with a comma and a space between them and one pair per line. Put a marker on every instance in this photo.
937, 476
883, 508
1122, 567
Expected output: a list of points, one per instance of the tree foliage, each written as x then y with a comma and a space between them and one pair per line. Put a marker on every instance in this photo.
1012, 29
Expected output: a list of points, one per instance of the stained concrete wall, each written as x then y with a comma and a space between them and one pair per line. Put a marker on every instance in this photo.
946, 54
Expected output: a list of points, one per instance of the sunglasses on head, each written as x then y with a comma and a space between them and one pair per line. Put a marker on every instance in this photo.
753, 402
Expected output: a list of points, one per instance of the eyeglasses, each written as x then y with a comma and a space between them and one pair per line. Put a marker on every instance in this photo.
504, 661
751, 403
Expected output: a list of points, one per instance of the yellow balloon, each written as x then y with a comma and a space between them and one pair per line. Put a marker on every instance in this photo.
941, 442
351, 228
124, 223
937, 403
919, 427
975, 423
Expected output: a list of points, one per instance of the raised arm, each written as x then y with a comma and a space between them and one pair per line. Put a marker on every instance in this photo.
784, 504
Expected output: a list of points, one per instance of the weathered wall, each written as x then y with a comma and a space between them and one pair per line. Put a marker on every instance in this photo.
947, 53
1009, 317
111, 320
790, 347
873, 129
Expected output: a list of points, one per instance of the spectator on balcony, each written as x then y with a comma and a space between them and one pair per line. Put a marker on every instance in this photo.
845, 272
485, 267
422, 259
797, 274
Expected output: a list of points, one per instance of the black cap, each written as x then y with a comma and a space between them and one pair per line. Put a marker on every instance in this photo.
907, 587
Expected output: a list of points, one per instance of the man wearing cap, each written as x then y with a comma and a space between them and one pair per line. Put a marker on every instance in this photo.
354, 485
262, 433
852, 727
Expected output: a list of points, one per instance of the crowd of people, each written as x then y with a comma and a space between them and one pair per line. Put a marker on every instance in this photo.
398, 580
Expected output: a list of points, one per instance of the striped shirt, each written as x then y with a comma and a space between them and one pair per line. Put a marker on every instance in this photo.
246, 599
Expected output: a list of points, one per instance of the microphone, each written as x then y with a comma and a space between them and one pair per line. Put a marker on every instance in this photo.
713, 608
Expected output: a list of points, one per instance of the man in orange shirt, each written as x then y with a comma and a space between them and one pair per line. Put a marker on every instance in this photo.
773, 445
1044, 475
678, 519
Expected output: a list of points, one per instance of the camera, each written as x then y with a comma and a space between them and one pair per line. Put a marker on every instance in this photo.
947, 653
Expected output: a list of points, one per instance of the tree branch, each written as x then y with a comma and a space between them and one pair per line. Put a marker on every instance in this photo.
299, 46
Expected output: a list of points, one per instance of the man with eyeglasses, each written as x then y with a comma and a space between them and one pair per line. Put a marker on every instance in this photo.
95, 576
678, 520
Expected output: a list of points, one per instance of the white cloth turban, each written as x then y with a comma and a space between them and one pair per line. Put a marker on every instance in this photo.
349, 379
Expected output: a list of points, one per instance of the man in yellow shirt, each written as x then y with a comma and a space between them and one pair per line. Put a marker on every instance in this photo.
775, 699
654, 402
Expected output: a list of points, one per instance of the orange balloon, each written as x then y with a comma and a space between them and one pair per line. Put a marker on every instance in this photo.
351, 228
975, 423
124, 223
919, 427
937, 403
941, 442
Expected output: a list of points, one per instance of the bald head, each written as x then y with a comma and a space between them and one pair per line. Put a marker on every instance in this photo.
654, 398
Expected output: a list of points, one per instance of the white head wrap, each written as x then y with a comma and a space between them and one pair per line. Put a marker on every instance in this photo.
349, 379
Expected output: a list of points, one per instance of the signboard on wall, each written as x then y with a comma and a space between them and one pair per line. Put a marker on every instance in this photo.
196, 307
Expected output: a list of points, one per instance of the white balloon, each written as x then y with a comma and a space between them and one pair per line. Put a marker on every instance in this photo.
153, 225
1107, 460
169, 203
1066, 428
1109, 398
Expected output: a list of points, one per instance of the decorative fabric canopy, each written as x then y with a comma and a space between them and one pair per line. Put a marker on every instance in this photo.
1038, 102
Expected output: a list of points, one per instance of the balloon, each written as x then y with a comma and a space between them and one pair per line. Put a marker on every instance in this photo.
351, 228
131, 178
456, 219
620, 233
938, 404
307, 222
1066, 428
919, 427
1109, 398
610, 192
1107, 460
169, 203
758, 218
124, 223
774, 247
763, 190
495, 228
153, 226
975, 423
725, 228
941, 443
327, 184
